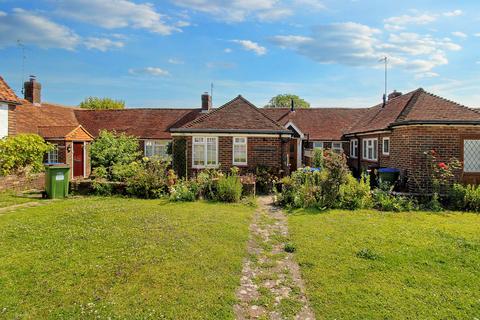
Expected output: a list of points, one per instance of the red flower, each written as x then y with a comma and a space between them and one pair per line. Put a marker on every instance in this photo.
443, 166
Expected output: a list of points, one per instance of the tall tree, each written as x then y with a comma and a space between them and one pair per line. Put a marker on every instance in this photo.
285, 101
97, 103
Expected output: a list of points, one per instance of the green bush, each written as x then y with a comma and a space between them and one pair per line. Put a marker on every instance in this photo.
184, 190
207, 181
22, 154
229, 189
111, 149
355, 194
465, 198
384, 201
102, 187
265, 179
152, 180
96, 103
317, 161
123, 172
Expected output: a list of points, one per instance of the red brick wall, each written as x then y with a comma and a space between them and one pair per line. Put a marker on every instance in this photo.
408, 146
12, 129
16, 183
261, 151
382, 160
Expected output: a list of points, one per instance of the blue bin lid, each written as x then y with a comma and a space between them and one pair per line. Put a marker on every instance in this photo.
388, 170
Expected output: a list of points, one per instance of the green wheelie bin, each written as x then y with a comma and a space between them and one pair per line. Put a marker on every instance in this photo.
57, 181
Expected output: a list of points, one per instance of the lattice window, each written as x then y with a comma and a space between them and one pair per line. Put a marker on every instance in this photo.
471, 155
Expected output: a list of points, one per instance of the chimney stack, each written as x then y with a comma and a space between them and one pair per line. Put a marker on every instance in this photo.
394, 94
292, 105
32, 91
206, 102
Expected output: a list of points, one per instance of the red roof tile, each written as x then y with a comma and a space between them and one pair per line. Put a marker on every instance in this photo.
142, 123
318, 123
6, 93
237, 115
414, 107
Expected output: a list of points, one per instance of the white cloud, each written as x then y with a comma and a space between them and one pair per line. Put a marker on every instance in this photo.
401, 22
359, 45
31, 28
459, 34
113, 14
251, 46
227, 50
233, 11
175, 61
102, 44
454, 13
153, 71
476, 34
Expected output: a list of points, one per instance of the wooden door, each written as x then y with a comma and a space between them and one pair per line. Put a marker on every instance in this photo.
293, 155
78, 159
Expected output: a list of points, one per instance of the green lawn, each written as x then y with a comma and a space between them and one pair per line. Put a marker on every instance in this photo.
372, 265
9, 199
122, 258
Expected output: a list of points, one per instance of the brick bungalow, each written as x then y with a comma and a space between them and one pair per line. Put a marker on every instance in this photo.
395, 134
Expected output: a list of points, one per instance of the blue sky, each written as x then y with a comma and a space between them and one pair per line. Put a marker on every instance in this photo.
166, 53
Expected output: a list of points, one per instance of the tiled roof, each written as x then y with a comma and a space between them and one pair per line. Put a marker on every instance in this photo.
417, 106
6, 93
69, 133
324, 124
28, 118
143, 123
237, 115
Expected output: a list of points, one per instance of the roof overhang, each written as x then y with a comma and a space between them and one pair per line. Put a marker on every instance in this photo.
10, 102
291, 124
436, 122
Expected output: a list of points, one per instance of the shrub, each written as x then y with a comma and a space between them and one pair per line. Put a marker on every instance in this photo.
355, 194
150, 181
102, 187
111, 149
265, 180
465, 198
384, 201
317, 161
229, 189
22, 154
184, 190
123, 172
207, 183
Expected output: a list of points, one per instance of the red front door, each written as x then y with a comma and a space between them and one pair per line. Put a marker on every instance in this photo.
78, 159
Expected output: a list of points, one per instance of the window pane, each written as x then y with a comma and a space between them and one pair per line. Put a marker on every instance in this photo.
375, 149
471, 155
317, 145
198, 155
240, 153
211, 151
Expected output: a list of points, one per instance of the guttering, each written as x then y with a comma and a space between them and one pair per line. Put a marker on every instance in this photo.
364, 133
436, 122
187, 130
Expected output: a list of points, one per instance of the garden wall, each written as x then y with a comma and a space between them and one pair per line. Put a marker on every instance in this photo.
17, 183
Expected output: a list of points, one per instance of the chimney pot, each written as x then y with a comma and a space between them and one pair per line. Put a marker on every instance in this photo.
394, 94
33, 90
206, 102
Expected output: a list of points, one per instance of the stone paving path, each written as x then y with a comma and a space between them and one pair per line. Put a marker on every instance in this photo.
271, 286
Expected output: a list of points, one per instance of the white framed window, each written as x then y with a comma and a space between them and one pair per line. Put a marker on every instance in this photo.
317, 144
386, 146
239, 150
337, 147
3, 120
52, 156
370, 149
471, 156
204, 152
155, 148
354, 148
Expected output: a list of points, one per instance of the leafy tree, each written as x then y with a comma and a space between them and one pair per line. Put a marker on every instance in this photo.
22, 154
111, 150
285, 101
96, 103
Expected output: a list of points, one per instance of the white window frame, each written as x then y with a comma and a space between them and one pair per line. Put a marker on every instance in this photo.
354, 148
204, 142
385, 152
52, 156
319, 143
3, 120
155, 144
235, 144
369, 144
338, 148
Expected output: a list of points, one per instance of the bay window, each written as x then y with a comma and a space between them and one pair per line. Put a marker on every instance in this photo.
239, 150
204, 152
370, 149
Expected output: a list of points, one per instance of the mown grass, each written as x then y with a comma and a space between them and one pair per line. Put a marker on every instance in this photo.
8, 199
122, 258
372, 265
